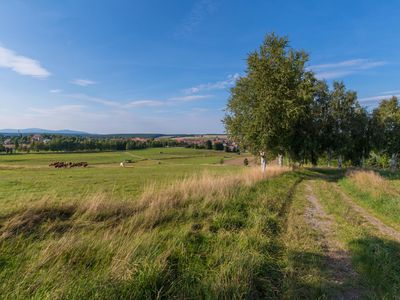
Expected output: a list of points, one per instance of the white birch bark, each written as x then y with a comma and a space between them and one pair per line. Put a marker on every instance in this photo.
263, 161
280, 160
339, 162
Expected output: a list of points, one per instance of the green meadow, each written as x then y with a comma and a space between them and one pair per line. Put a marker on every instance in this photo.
27, 177
178, 223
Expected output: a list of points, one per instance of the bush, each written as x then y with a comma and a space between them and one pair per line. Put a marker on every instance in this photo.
377, 160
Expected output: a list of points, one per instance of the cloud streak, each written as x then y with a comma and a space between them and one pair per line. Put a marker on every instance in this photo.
219, 85
199, 12
378, 98
83, 82
138, 103
344, 68
21, 64
190, 98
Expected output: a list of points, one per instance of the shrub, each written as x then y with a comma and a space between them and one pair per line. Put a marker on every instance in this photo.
246, 162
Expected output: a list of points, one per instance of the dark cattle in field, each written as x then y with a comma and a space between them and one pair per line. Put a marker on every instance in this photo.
61, 164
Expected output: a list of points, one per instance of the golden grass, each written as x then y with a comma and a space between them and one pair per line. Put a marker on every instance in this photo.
149, 209
206, 187
372, 183
141, 239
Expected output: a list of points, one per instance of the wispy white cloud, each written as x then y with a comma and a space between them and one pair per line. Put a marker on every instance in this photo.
344, 68
199, 12
391, 92
219, 85
137, 103
83, 82
190, 98
378, 98
55, 91
21, 64
58, 110
98, 100
142, 103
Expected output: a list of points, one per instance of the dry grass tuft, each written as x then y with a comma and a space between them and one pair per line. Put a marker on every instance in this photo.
372, 183
100, 208
29, 220
206, 187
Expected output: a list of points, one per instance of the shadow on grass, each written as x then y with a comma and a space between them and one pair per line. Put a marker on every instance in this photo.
377, 261
312, 278
327, 174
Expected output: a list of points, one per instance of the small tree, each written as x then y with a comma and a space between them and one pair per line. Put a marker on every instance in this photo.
208, 145
218, 146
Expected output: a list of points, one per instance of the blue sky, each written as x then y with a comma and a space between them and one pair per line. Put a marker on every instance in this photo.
166, 66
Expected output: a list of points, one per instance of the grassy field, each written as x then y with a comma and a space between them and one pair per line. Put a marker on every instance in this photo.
192, 228
27, 177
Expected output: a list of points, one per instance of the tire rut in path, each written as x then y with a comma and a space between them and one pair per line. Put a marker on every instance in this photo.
378, 224
338, 259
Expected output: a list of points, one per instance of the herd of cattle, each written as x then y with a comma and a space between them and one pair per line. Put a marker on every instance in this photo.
61, 164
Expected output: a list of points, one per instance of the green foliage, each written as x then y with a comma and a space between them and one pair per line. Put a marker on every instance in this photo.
279, 107
218, 146
267, 103
386, 126
376, 160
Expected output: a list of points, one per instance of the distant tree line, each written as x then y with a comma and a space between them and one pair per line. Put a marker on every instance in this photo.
83, 143
280, 108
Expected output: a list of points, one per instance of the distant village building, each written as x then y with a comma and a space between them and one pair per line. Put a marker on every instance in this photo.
37, 138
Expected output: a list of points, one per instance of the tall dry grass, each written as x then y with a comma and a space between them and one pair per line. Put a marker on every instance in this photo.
150, 208
373, 183
202, 234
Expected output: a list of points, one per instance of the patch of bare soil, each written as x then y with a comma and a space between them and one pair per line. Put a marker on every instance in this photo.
337, 257
383, 229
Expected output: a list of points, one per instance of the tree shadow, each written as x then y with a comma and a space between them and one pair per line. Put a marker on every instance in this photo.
377, 261
326, 174
314, 278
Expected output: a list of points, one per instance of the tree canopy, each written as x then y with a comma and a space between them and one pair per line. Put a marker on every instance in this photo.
274, 95
279, 106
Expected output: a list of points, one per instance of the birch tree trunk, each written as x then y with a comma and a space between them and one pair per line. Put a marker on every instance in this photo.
280, 160
339, 162
263, 161
393, 163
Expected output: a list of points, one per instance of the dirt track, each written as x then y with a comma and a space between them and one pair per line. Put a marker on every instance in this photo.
338, 259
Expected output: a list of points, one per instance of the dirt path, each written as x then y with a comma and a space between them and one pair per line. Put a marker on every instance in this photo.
338, 258
383, 229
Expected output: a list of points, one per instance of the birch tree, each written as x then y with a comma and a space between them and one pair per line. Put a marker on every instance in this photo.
269, 100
